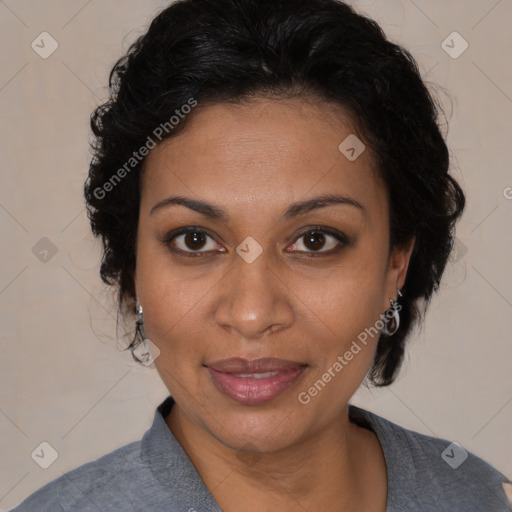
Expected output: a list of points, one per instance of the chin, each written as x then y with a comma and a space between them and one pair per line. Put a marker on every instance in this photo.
254, 428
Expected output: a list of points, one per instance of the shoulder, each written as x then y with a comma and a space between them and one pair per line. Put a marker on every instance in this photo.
102, 484
431, 473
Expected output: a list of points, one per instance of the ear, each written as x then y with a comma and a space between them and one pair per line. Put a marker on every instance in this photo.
397, 269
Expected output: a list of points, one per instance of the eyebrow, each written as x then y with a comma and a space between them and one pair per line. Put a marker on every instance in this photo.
294, 210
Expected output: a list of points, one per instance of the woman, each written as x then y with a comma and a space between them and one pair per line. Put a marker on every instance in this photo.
272, 193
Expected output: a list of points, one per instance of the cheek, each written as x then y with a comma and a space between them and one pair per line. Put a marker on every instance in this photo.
343, 349
172, 310
344, 325
161, 291
350, 299
347, 336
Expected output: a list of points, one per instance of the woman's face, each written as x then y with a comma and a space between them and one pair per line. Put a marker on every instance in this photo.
255, 280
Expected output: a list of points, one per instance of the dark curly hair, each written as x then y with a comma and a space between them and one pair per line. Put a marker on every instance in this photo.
208, 51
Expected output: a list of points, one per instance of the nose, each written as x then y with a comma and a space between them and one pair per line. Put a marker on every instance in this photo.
253, 300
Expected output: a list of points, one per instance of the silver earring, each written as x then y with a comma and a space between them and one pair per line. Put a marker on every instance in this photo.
140, 344
140, 321
392, 317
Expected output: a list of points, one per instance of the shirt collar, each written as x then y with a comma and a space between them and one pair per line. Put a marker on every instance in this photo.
172, 467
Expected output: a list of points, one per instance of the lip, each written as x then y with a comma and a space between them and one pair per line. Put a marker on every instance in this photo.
231, 378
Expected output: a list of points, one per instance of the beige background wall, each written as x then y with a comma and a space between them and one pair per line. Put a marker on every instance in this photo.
63, 379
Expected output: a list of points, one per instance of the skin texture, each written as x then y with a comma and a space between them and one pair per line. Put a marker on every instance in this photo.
253, 160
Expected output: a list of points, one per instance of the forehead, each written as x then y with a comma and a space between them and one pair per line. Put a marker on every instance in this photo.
271, 151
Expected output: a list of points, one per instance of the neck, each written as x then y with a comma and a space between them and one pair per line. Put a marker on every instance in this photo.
327, 471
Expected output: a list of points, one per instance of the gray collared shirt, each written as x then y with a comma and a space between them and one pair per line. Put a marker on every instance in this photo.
425, 474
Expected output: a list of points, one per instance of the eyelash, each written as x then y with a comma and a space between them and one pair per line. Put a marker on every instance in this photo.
172, 235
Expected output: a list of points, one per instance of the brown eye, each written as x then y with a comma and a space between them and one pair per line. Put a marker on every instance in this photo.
314, 240
319, 240
194, 240
191, 241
